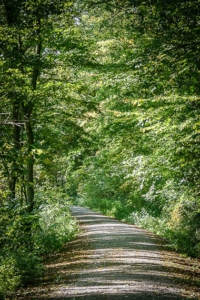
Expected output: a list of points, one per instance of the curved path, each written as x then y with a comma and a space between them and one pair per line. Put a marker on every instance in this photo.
110, 260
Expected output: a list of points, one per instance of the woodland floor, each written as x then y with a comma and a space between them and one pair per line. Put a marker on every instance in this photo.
113, 260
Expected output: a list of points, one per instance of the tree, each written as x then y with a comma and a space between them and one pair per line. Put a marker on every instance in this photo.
146, 165
24, 30
39, 125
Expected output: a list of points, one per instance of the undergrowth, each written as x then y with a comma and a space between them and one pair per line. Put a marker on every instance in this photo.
22, 249
178, 223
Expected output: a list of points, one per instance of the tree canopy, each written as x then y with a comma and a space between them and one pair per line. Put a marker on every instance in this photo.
99, 106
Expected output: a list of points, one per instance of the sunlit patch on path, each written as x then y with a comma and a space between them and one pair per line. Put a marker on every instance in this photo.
109, 260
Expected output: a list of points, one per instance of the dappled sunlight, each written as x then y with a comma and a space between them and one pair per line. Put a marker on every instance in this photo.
109, 260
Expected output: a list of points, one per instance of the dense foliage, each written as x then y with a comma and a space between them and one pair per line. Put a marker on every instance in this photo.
146, 166
38, 127
99, 105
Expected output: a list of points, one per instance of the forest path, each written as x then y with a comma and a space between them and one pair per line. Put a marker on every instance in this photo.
113, 260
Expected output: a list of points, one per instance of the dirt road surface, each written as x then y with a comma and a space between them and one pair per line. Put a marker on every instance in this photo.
113, 260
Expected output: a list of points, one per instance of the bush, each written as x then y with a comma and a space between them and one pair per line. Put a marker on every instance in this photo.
26, 237
179, 223
29, 265
184, 224
9, 276
55, 227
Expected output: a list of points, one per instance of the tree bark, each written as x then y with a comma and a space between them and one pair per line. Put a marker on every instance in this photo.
30, 158
30, 136
16, 141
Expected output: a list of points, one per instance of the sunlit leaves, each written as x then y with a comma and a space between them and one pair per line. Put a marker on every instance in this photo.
147, 123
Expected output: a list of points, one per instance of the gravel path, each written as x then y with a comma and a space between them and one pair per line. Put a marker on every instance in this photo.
110, 260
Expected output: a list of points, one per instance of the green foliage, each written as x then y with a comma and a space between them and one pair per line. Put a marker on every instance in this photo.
99, 103
56, 226
179, 224
150, 182
9, 276
20, 262
146, 161
29, 264
184, 225
21, 248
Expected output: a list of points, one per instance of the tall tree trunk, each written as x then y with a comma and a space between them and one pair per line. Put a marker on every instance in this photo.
30, 158
16, 141
30, 136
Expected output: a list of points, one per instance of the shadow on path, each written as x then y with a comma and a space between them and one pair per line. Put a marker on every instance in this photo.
110, 260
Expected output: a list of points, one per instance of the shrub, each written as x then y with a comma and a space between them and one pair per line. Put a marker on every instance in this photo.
26, 237
184, 226
57, 226
9, 276
29, 265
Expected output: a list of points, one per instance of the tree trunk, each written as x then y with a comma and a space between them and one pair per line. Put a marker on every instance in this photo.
30, 159
30, 136
16, 141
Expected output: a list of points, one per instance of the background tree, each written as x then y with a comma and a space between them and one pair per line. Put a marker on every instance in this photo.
146, 167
